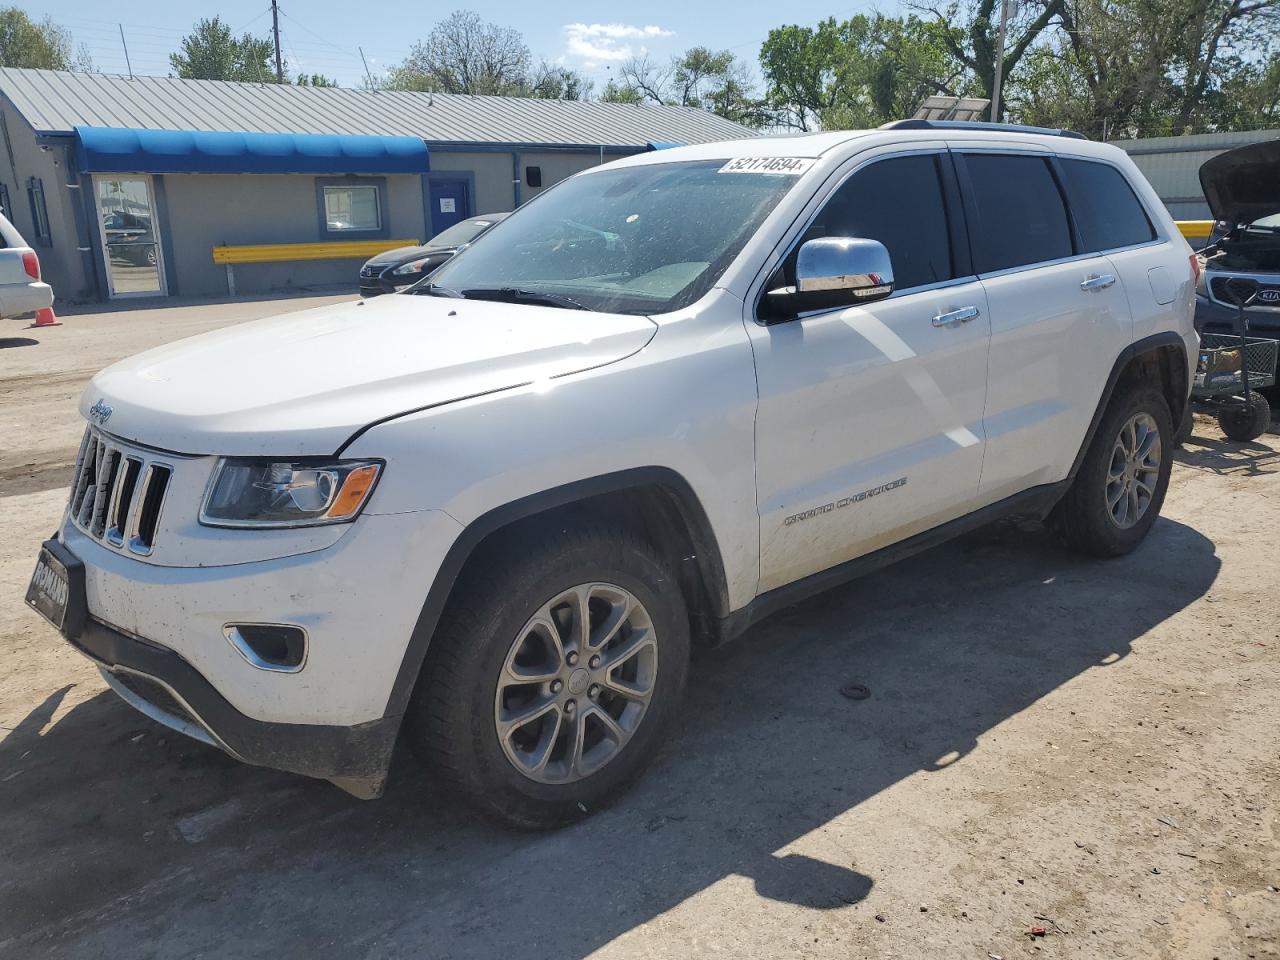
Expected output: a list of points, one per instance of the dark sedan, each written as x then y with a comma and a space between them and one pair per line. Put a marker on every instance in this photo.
393, 269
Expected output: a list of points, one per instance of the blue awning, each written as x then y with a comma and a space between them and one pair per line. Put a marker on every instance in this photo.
665, 144
120, 150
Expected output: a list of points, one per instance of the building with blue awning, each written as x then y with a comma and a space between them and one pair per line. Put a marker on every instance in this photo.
126, 186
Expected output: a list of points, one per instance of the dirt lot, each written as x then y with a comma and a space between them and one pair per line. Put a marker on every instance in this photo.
1090, 748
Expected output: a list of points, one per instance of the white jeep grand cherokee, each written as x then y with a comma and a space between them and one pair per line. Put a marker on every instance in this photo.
669, 396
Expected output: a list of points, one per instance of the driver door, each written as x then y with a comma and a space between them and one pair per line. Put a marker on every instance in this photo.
869, 423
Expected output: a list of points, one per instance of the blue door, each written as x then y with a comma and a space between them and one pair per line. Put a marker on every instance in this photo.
450, 202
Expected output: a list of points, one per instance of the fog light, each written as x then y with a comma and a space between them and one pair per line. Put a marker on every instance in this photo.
269, 646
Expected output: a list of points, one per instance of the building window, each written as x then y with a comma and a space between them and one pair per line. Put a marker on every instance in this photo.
39, 214
4, 201
352, 209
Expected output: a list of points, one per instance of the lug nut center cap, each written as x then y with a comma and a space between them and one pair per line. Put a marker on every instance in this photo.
579, 680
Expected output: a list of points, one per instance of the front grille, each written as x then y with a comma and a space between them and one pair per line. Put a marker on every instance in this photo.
371, 272
117, 493
1266, 293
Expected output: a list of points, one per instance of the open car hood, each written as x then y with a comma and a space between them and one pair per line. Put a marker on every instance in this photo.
1243, 185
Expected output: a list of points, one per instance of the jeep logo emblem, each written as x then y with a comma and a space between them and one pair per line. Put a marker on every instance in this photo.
1269, 296
100, 412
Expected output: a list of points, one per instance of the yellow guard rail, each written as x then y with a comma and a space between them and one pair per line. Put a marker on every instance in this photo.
1195, 229
287, 252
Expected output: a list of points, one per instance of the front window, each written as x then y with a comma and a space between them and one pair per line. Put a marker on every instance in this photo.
643, 239
352, 208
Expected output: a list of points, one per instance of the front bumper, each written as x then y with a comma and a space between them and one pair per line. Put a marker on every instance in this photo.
1214, 317
161, 633
167, 688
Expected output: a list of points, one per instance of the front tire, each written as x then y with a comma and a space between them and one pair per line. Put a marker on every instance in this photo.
556, 670
1117, 493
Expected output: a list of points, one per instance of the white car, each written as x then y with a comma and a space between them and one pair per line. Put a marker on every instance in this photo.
21, 289
494, 516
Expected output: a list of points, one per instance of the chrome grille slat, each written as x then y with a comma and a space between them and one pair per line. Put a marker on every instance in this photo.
117, 493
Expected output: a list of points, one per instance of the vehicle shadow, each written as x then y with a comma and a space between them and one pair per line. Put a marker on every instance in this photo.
1213, 454
113, 830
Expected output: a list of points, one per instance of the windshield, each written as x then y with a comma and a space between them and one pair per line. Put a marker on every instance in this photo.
461, 233
644, 239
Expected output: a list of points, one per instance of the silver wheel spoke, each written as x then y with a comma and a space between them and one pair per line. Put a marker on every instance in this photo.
617, 617
550, 668
610, 725
511, 721
577, 736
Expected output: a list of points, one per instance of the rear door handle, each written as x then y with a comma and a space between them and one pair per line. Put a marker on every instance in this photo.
955, 317
1098, 282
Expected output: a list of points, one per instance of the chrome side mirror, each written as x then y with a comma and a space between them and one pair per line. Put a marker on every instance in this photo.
836, 272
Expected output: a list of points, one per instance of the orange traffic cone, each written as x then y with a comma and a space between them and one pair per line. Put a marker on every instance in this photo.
45, 318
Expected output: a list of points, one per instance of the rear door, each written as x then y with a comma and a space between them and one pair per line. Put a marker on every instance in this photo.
1059, 318
869, 423
1112, 221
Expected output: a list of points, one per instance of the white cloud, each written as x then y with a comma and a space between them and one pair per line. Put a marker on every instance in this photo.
598, 43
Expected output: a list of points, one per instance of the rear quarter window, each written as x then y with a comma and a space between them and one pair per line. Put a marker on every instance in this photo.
1108, 213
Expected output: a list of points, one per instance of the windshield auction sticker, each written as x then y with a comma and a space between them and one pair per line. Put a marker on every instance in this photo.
787, 166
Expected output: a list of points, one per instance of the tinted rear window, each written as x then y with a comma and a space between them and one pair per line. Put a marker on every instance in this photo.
898, 202
1019, 212
1107, 212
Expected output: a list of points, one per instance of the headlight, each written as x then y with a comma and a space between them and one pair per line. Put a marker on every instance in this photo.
274, 493
413, 266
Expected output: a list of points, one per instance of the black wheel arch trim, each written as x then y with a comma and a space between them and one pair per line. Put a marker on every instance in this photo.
706, 553
1151, 344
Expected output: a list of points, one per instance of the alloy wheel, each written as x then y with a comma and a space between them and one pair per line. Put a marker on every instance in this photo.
1134, 470
576, 683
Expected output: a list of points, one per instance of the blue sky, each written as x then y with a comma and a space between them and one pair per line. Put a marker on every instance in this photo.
322, 36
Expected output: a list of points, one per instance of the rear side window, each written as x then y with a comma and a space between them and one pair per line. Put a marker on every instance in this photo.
898, 202
1018, 217
1107, 212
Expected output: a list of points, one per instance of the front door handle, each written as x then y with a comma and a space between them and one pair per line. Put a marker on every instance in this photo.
1097, 282
955, 317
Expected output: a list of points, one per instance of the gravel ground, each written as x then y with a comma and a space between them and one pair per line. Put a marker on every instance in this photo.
1049, 742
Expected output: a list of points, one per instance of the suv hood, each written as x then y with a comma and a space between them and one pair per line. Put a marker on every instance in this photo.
301, 384
1243, 185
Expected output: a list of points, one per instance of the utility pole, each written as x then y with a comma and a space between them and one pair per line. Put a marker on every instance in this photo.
995, 87
126, 50
275, 32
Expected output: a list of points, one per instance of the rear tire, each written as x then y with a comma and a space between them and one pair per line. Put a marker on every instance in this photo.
1117, 493
1243, 424
509, 646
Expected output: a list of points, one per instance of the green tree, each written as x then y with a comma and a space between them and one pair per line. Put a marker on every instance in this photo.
210, 52
616, 91
44, 45
314, 80
969, 29
1129, 68
858, 73
552, 81
465, 54
700, 77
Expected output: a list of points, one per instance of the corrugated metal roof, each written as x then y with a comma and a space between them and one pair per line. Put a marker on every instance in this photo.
55, 102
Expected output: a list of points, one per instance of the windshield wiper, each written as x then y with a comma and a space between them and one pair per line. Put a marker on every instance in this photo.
517, 295
435, 290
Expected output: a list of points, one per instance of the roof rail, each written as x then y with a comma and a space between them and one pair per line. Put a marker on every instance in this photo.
916, 124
